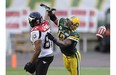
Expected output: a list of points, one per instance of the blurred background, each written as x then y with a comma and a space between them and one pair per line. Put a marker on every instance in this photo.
92, 13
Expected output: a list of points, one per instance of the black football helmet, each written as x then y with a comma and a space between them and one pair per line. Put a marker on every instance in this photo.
35, 19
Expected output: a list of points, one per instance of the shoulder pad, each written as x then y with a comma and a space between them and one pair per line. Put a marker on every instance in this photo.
43, 27
61, 19
74, 36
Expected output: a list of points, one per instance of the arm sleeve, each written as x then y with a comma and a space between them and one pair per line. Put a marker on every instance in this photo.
52, 16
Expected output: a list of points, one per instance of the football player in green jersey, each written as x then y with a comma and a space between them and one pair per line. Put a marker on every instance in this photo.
68, 39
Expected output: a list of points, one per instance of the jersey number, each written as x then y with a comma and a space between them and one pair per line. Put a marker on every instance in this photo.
46, 43
61, 35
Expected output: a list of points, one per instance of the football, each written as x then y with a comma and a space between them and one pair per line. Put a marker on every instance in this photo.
100, 32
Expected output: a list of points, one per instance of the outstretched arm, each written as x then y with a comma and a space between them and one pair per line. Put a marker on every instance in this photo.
64, 43
50, 13
46, 17
53, 17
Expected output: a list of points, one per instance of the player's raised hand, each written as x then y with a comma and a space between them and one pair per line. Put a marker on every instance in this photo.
100, 32
49, 9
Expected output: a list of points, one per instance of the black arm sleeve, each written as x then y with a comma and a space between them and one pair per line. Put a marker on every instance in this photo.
52, 16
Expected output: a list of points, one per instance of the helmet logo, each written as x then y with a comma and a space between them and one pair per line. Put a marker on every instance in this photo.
31, 18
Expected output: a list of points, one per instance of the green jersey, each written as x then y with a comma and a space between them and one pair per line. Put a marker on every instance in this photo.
64, 33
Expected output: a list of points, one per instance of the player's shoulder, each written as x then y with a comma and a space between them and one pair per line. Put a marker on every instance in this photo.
62, 19
46, 22
61, 22
43, 27
74, 36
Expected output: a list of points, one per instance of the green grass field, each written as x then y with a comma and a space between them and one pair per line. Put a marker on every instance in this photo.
62, 71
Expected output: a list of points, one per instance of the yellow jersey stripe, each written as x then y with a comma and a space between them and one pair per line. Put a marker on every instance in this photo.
74, 38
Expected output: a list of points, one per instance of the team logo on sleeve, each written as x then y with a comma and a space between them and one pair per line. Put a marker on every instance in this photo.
34, 36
